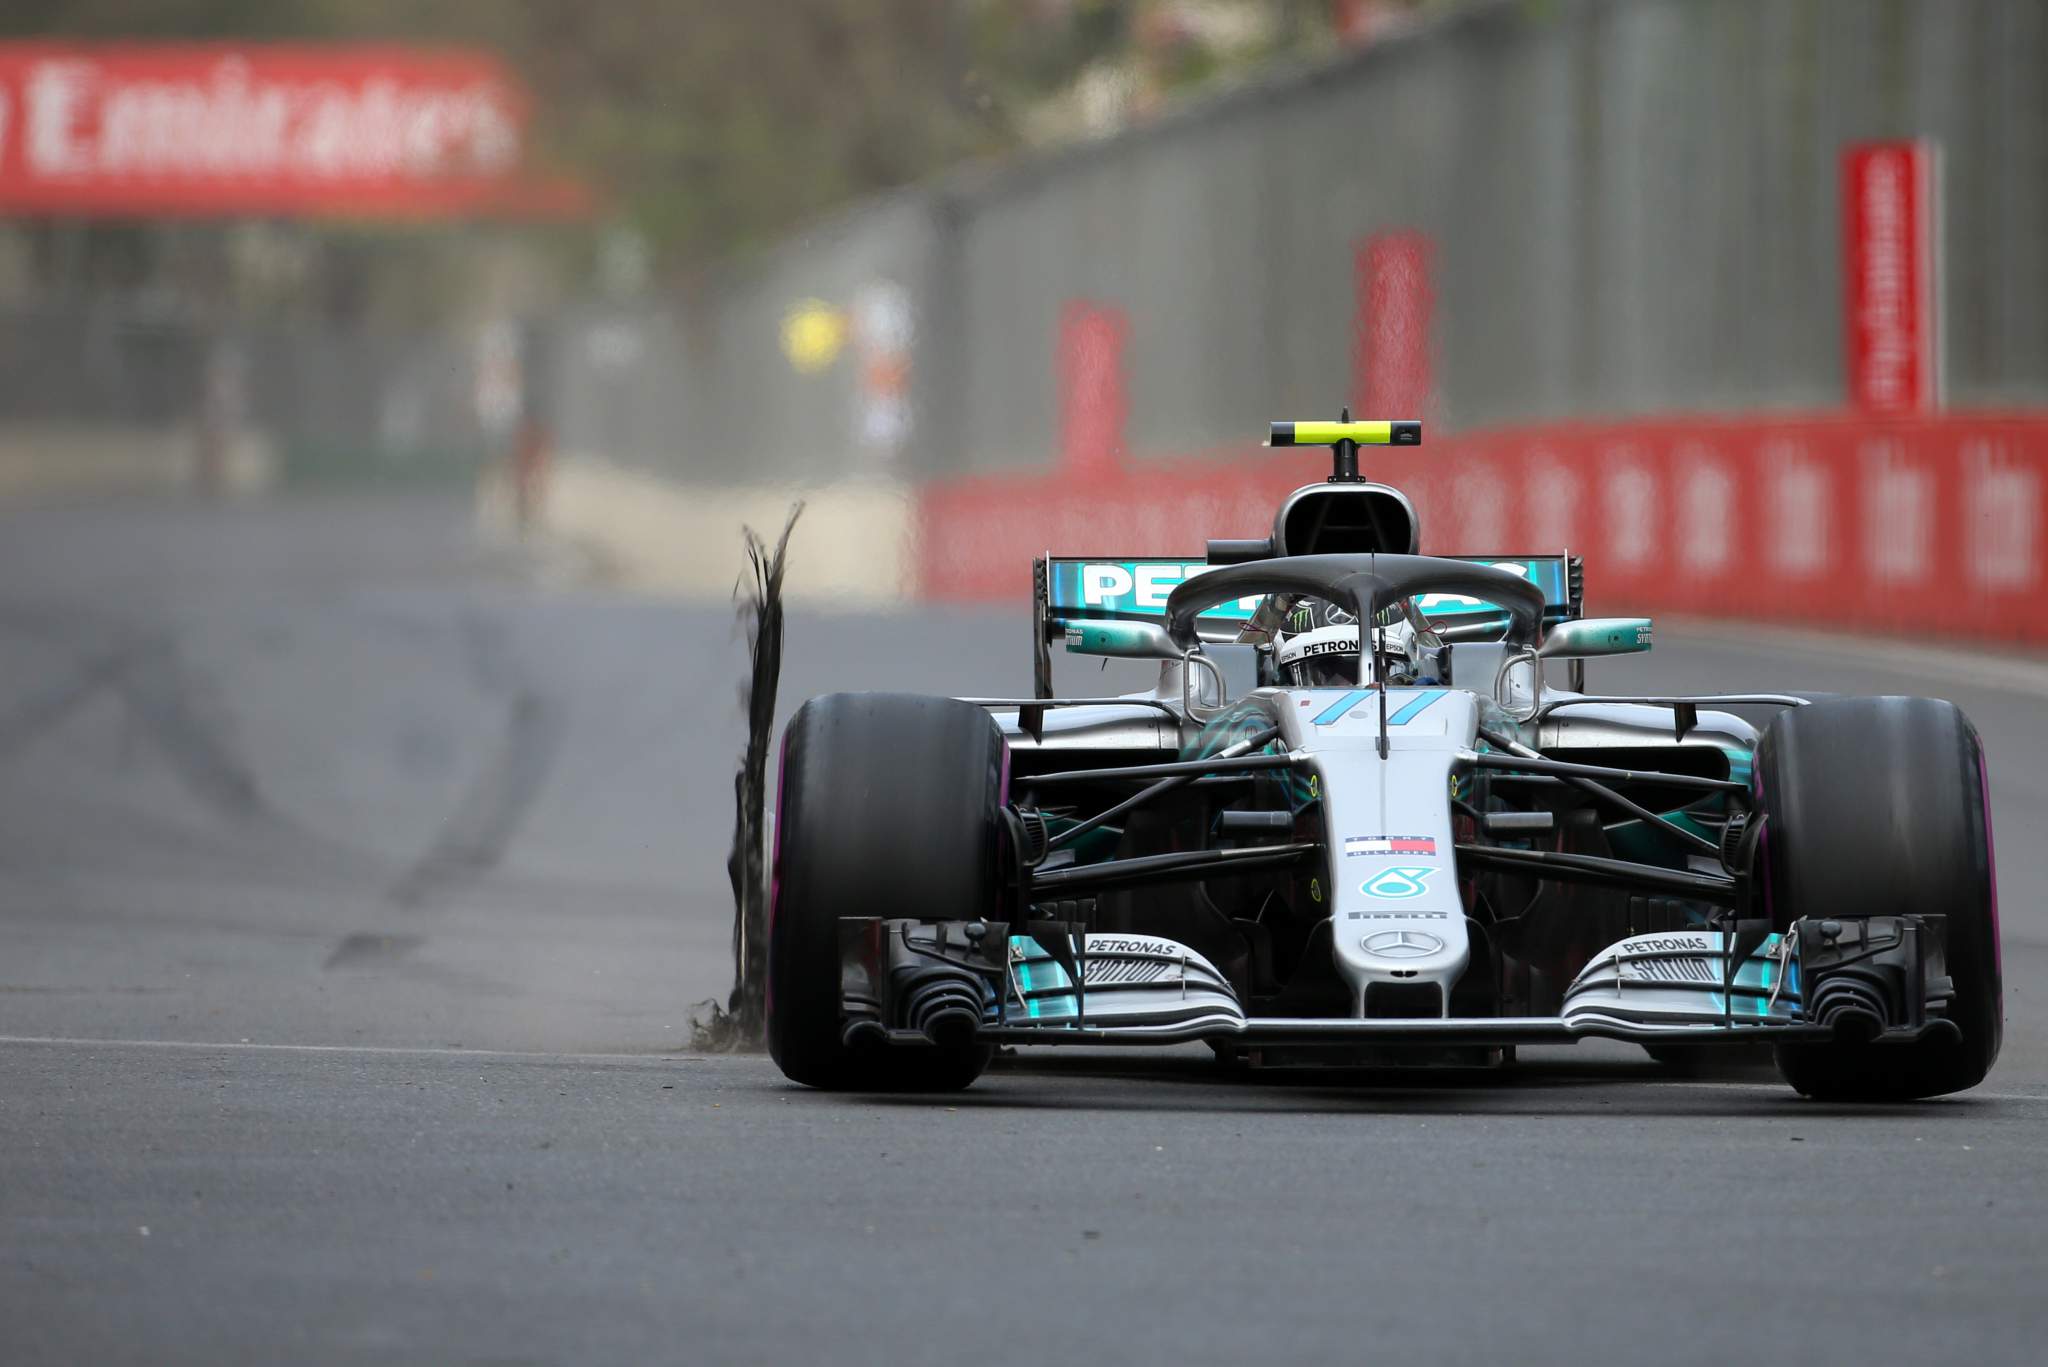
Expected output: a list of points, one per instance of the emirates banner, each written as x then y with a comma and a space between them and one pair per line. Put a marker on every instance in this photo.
272, 130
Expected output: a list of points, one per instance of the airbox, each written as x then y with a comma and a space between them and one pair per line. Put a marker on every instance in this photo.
1346, 519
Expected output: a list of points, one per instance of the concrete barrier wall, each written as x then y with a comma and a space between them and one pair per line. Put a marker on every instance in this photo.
77, 459
54, 459
852, 546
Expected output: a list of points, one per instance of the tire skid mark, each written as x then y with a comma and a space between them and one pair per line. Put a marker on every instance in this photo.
47, 710
146, 673
368, 950
158, 693
487, 655
475, 836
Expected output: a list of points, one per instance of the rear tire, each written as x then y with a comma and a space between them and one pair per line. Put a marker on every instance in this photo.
1877, 807
887, 807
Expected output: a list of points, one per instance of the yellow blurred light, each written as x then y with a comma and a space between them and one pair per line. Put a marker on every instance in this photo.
813, 334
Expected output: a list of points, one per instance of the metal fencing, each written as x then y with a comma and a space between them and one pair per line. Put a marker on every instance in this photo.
703, 389
1632, 206
113, 385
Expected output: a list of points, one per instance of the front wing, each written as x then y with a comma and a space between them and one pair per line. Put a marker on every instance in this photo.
905, 982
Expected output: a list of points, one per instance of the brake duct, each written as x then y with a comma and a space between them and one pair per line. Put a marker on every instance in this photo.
1866, 979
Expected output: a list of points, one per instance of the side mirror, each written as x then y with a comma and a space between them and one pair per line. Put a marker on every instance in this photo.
1122, 640
1591, 636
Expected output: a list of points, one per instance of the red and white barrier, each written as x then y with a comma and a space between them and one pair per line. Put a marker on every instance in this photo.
1936, 526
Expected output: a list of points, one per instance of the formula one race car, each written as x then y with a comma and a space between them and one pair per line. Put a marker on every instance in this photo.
1355, 825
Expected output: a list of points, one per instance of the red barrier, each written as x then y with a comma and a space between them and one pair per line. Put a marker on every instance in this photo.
1093, 405
1935, 525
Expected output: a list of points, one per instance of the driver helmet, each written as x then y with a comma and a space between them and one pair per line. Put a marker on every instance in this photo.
1321, 649
1321, 657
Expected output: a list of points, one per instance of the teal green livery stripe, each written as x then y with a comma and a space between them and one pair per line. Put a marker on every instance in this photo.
1342, 705
1414, 707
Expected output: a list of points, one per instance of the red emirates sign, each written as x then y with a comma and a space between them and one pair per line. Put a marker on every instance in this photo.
1889, 277
224, 129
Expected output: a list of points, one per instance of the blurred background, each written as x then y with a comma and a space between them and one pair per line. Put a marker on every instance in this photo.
384, 385
1743, 299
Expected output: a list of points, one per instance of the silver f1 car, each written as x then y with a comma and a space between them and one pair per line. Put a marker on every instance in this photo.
1355, 824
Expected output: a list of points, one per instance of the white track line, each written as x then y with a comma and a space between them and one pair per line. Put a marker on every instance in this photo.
518, 1056
1960, 663
398, 1051
1783, 1090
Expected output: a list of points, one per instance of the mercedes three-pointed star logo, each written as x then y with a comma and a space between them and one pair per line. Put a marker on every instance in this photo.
1402, 944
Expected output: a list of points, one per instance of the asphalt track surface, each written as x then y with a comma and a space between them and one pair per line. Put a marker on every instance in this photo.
356, 878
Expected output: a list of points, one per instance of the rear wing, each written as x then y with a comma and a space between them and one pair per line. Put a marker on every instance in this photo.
1085, 588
